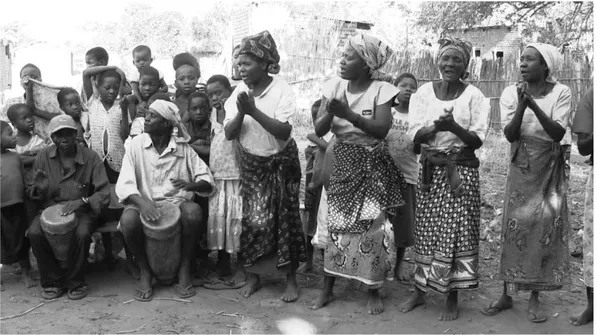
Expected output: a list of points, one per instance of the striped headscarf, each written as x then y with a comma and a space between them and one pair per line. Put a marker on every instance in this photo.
263, 46
169, 111
374, 53
552, 57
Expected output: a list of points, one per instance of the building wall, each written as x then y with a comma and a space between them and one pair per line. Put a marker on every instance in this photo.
6, 52
490, 40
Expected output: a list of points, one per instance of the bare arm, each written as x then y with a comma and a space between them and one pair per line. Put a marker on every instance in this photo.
37, 112
90, 72
585, 144
163, 86
232, 128
323, 121
280, 130
551, 127
468, 137
377, 127
512, 129
424, 135
321, 143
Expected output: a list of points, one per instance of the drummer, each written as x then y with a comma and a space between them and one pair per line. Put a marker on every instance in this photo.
158, 166
68, 174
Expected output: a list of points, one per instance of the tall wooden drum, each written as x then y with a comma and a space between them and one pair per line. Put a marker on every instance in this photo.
163, 243
59, 231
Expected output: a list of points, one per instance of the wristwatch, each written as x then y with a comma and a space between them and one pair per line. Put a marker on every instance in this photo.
85, 200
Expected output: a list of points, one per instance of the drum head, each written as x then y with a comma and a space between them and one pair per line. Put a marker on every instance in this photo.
170, 214
53, 222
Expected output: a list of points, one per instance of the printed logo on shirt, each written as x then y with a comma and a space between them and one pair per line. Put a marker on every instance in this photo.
367, 112
400, 125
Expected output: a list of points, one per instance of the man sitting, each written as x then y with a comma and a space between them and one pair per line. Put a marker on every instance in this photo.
158, 166
69, 174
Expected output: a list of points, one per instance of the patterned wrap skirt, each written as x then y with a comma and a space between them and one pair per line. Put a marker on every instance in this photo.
587, 239
447, 232
364, 186
535, 226
271, 223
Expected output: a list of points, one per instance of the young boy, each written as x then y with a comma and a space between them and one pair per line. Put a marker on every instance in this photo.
28, 143
199, 126
142, 59
95, 57
14, 246
186, 83
148, 84
314, 153
70, 103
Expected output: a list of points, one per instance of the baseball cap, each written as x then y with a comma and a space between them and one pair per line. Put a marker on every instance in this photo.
61, 122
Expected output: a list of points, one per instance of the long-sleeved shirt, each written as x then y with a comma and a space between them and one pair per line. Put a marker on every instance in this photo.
88, 179
148, 174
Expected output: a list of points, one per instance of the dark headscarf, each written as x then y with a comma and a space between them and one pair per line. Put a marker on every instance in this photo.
262, 46
464, 47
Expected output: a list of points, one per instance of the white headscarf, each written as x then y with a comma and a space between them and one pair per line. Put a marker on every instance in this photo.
169, 111
374, 52
552, 57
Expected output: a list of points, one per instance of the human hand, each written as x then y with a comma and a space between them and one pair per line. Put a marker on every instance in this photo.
339, 108
181, 184
521, 92
446, 121
71, 207
149, 211
246, 103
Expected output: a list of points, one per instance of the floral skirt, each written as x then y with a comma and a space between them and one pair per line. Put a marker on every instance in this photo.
225, 216
447, 233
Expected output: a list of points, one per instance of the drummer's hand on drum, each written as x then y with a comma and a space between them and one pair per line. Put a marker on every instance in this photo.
71, 207
149, 211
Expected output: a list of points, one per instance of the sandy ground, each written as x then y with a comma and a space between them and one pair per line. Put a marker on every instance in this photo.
226, 312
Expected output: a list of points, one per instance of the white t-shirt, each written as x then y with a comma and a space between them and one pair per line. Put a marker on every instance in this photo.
401, 147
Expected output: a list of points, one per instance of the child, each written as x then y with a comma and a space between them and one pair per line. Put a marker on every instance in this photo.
199, 126
148, 84
186, 83
15, 245
95, 57
402, 151
29, 143
108, 122
224, 225
70, 104
314, 154
185, 58
142, 59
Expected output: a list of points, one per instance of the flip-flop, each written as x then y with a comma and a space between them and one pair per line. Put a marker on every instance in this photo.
492, 310
219, 284
51, 293
536, 318
78, 293
140, 294
184, 292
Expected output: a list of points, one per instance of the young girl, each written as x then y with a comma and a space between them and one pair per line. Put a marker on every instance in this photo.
402, 150
199, 126
70, 103
15, 246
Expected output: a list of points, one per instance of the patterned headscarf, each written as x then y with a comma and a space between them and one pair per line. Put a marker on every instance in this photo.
263, 46
169, 111
552, 57
464, 47
374, 53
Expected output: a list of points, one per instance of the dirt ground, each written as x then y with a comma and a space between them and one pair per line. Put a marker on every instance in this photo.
226, 312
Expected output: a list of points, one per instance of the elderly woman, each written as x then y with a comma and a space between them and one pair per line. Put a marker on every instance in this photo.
258, 115
365, 186
449, 119
40, 117
535, 221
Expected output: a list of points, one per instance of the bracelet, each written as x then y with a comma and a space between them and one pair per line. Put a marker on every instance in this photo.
85, 200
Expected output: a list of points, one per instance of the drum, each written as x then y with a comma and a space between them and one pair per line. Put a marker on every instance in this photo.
59, 231
163, 242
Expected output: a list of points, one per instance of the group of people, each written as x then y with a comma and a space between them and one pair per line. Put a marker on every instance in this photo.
391, 166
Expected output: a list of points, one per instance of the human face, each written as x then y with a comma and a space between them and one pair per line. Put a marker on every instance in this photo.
451, 65
142, 59
186, 79
72, 105
108, 89
8, 139
148, 86
408, 86
24, 122
199, 109
218, 94
29, 73
91, 61
532, 66
251, 69
154, 122
352, 65
65, 140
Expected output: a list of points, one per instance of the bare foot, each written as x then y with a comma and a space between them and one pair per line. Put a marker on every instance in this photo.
585, 317
239, 277
253, 284
374, 305
292, 290
27, 279
353, 285
450, 311
323, 299
402, 274
305, 267
416, 299
133, 270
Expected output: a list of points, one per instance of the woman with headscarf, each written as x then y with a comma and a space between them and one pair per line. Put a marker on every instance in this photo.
365, 186
449, 118
258, 116
535, 221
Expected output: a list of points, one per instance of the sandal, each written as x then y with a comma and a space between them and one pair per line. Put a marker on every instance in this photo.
536, 318
184, 292
219, 284
78, 293
143, 295
51, 293
493, 310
